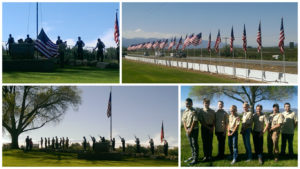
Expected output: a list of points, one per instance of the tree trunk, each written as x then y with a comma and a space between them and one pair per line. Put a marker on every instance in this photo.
14, 140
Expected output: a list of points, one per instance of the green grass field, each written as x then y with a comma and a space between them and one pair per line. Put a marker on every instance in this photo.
138, 72
43, 159
69, 74
186, 153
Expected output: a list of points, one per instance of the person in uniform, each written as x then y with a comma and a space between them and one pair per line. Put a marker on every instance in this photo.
30, 144
56, 142
63, 142
67, 142
80, 44
61, 50
232, 132
166, 147
123, 144
42, 142
58, 41
247, 122
151, 142
221, 127
94, 141
60, 142
113, 143
100, 45
207, 118
46, 143
10, 41
49, 142
138, 146
275, 122
27, 143
287, 130
84, 143
191, 127
28, 40
53, 143
261, 124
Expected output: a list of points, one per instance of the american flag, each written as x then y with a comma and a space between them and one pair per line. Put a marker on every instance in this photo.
187, 41
179, 43
44, 45
281, 38
163, 44
218, 41
162, 133
209, 42
258, 39
172, 43
197, 39
149, 45
116, 33
156, 44
231, 40
109, 106
244, 38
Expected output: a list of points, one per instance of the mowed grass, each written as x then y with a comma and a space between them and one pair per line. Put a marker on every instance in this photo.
186, 153
69, 74
43, 159
139, 72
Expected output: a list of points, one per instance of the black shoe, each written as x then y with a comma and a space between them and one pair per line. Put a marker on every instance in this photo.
189, 159
193, 162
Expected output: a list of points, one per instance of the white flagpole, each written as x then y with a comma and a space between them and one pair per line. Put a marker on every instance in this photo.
111, 114
261, 65
246, 65
233, 68
284, 67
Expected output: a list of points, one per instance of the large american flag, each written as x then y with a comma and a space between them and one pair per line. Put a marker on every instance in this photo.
116, 33
163, 44
197, 39
179, 43
172, 43
218, 41
44, 45
244, 38
187, 41
281, 38
162, 133
109, 106
258, 39
231, 40
209, 42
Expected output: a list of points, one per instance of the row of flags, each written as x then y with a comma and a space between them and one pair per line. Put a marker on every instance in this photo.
196, 40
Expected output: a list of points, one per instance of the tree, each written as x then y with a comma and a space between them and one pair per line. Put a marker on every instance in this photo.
251, 94
26, 108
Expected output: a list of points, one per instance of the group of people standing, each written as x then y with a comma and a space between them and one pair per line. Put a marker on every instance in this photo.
223, 123
55, 143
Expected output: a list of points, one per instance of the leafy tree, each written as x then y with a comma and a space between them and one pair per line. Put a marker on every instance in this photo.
26, 108
251, 94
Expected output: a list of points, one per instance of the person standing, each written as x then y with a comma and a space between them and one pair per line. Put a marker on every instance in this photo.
58, 41
80, 44
275, 122
113, 143
67, 142
28, 40
166, 147
84, 143
287, 130
190, 124
138, 146
27, 140
221, 128
232, 132
261, 124
100, 45
123, 144
61, 50
151, 142
207, 118
46, 143
10, 41
41, 142
247, 122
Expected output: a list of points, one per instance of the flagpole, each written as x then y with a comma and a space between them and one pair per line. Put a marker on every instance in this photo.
233, 68
284, 66
111, 116
37, 24
245, 64
261, 65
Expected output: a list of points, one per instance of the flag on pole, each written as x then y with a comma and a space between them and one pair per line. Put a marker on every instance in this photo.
187, 41
116, 33
209, 42
244, 38
109, 106
162, 134
44, 45
218, 41
281, 38
197, 39
179, 43
231, 40
163, 44
258, 39
172, 43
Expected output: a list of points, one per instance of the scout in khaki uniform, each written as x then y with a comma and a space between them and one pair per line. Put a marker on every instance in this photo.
261, 124
275, 121
221, 127
207, 118
246, 129
233, 127
288, 127
190, 123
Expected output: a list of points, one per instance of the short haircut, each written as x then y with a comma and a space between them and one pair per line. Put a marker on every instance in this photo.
259, 105
189, 100
205, 100
234, 107
246, 103
221, 101
287, 104
276, 105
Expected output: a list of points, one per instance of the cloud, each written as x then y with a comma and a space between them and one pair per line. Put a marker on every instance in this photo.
139, 33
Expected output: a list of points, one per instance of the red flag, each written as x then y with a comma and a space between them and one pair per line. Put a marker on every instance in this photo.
162, 135
281, 38
258, 39
218, 41
116, 33
244, 38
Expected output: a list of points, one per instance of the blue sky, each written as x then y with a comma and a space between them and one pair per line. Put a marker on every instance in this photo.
267, 105
164, 20
69, 20
136, 111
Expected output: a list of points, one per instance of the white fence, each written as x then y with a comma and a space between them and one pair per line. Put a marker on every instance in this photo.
258, 75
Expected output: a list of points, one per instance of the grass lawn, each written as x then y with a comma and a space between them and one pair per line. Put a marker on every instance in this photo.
69, 74
186, 153
41, 159
139, 72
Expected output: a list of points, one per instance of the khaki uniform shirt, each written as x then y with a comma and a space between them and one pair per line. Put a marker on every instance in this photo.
233, 121
221, 120
247, 119
288, 126
189, 116
207, 116
275, 119
259, 122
